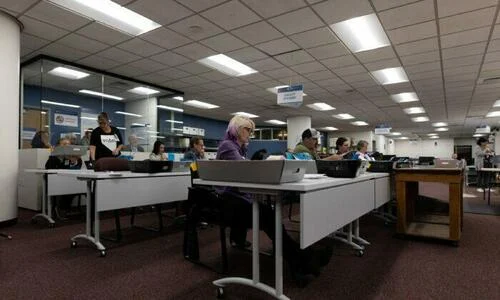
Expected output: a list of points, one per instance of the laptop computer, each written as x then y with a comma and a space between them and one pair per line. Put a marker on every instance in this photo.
69, 150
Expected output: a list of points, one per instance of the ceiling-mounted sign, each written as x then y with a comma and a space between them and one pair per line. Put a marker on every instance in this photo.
291, 96
383, 129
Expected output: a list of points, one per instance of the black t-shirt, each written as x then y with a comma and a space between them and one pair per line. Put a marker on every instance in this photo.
105, 143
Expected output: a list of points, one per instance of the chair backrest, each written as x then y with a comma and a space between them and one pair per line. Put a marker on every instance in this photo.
111, 164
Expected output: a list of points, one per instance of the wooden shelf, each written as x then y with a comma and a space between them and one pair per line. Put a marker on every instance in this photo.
433, 219
438, 231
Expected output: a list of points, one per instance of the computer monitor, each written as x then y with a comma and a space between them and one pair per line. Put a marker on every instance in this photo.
388, 157
426, 160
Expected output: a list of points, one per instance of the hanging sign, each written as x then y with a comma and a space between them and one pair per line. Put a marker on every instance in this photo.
291, 96
382, 129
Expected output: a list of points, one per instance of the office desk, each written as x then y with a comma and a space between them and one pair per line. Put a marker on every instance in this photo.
53, 185
435, 226
116, 190
326, 204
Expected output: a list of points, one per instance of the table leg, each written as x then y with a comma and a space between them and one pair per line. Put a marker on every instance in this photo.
255, 241
46, 212
455, 213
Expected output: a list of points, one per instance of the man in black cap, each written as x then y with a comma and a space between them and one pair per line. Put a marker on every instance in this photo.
310, 139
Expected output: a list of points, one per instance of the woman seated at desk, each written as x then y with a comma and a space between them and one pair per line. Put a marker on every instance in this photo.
63, 203
158, 152
362, 154
238, 207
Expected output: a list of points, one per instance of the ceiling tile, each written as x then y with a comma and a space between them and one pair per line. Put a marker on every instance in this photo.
103, 34
333, 11
198, 5
412, 33
382, 64
465, 37
474, 19
195, 80
195, 51
426, 45
98, 62
17, 5
278, 46
376, 54
327, 51
320, 75
492, 57
148, 65
196, 28
476, 48
308, 67
314, 38
140, 47
118, 55
80, 42
215, 75
194, 68
265, 64
268, 9
350, 70
339, 62
160, 11
40, 29
297, 21
224, 42
165, 38
386, 4
32, 42
294, 58
462, 61
247, 54
421, 58
408, 14
432, 66
64, 52
257, 33
280, 73
231, 15
170, 58
452, 7
59, 17
174, 73
255, 77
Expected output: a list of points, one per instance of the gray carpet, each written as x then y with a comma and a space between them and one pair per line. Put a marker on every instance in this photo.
474, 203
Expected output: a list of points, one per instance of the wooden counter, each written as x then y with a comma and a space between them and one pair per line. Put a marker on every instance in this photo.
433, 226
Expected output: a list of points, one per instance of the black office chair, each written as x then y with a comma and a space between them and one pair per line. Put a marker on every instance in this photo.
203, 204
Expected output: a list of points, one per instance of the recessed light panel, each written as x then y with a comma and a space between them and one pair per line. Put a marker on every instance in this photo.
330, 128
127, 114
361, 33
141, 90
493, 114
343, 116
404, 97
321, 106
414, 110
94, 93
227, 65
390, 76
440, 124
441, 129
245, 114
68, 73
359, 123
200, 104
59, 104
420, 119
170, 108
275, 122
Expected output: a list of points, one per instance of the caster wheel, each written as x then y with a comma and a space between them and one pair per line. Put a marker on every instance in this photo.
360, 253
220, 293
102, 253
73, 244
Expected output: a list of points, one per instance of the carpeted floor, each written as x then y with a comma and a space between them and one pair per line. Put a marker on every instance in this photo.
39, 264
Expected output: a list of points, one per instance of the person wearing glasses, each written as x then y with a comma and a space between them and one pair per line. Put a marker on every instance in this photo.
310, 140
197, 149
105, 140
238, 208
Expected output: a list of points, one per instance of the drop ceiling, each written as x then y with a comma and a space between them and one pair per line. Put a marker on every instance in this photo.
446, 47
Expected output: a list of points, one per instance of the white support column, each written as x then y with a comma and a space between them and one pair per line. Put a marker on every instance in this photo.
295, 127
10, 36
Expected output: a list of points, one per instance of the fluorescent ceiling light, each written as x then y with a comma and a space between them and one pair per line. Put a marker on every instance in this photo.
244, 114
497, 103
414, 110
440, 124
275, 122
434, 137
390, 75
68, 73
138, 124
404, 97
441, 129
100, 94
141, 90
359, 123
226, 65
329, 128
110, 14
493, 114
127, 114
59, 104
151, 131
180, 98
343, 116
200, 104
396, 133
43, 112
477, 135
122, 128
361, 33
320, 106
431, 134
89, 118
403, 138
157, 136
420, 119
178, 129
174, 121
170, 108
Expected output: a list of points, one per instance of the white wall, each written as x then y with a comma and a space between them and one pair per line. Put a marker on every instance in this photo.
147, 108
442, 148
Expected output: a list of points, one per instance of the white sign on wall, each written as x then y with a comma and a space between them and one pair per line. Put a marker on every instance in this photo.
66, 120
291, 96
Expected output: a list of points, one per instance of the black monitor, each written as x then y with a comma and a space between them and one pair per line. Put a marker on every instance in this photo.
426, 160
388, 157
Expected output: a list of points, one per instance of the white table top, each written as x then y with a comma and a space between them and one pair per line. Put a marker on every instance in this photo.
490, 169
91, 174
305, 185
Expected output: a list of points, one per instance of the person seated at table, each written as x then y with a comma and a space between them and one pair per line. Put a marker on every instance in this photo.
133, 144
196, 149
85, 140
362, 154
158, 152
63, 203
238, 207
310, 139
40, 140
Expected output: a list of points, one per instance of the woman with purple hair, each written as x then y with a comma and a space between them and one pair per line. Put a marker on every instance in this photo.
238, 208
